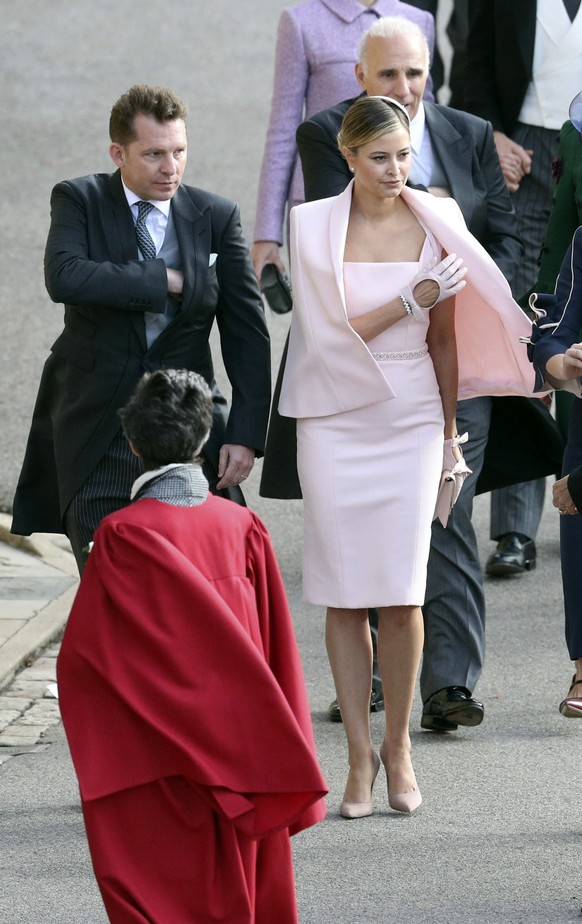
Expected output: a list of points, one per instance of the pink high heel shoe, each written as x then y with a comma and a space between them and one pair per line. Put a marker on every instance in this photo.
361, 809
405, 802
571, 707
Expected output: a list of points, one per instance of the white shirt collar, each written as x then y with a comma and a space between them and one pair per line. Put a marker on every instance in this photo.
132, 198
417, 129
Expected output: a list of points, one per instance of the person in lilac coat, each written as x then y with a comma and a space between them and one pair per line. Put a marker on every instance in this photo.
315, 61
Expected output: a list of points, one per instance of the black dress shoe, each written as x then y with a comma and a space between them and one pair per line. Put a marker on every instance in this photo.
515, 554
376, 705
450, 707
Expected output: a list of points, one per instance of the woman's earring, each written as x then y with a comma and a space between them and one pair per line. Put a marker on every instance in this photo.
353, 169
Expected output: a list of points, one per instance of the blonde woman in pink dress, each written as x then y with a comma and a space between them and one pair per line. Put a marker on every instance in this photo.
372, 379
370, 474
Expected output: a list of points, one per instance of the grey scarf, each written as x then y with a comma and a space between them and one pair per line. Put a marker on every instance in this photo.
178, 485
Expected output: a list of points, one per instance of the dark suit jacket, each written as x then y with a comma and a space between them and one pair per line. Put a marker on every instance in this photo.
562, 323
565, 217
500, 49
560, 328
575, 487
92, 265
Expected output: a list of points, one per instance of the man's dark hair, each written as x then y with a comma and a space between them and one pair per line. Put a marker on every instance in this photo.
141, 99
168, 417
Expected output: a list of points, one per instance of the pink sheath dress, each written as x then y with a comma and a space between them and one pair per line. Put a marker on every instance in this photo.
370, 476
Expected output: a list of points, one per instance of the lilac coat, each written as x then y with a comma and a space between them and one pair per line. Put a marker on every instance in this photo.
315, 57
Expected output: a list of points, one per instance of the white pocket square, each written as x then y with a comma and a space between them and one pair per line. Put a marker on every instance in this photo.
212, 259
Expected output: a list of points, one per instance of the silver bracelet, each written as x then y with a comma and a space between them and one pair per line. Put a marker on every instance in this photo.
412, 310
407, 307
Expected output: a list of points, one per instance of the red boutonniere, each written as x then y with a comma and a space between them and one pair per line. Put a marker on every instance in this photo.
557, 169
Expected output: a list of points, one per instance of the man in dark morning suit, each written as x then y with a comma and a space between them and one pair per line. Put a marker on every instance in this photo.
453, 154
524, 66
144, 265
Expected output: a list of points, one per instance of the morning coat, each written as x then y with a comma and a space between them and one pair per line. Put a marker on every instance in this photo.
92, 266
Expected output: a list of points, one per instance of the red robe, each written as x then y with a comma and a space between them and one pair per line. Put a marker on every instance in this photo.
184, 703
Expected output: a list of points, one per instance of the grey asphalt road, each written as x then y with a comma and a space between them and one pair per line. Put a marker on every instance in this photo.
498, 835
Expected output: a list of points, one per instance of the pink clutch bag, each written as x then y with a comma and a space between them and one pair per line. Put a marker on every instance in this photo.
453, 475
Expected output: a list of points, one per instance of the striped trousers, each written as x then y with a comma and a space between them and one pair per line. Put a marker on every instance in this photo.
107, 488
518, 508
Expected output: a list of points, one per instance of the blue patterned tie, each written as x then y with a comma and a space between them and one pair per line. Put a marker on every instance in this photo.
144, 238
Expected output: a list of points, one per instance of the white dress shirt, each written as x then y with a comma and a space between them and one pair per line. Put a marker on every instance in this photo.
156, 220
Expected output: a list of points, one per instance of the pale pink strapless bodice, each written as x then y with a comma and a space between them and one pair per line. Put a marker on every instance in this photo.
369, 285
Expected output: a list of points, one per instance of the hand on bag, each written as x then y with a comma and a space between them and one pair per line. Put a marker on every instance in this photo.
455, 470
452, 452
263, 252
434, 284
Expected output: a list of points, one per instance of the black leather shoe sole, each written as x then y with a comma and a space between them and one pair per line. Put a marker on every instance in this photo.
437, 723
468, 714
498, 566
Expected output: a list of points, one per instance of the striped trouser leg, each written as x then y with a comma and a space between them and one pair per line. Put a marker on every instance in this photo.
106, 489
533, 201
518, 508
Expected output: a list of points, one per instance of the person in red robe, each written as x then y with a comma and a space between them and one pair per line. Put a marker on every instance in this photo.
182, 692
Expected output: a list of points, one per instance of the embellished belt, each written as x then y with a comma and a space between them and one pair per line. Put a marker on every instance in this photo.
403, 354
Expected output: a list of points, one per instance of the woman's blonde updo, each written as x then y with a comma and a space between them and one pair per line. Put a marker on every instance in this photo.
369, 118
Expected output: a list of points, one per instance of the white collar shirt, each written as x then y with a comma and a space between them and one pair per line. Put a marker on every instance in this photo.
422, 153
157, 218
